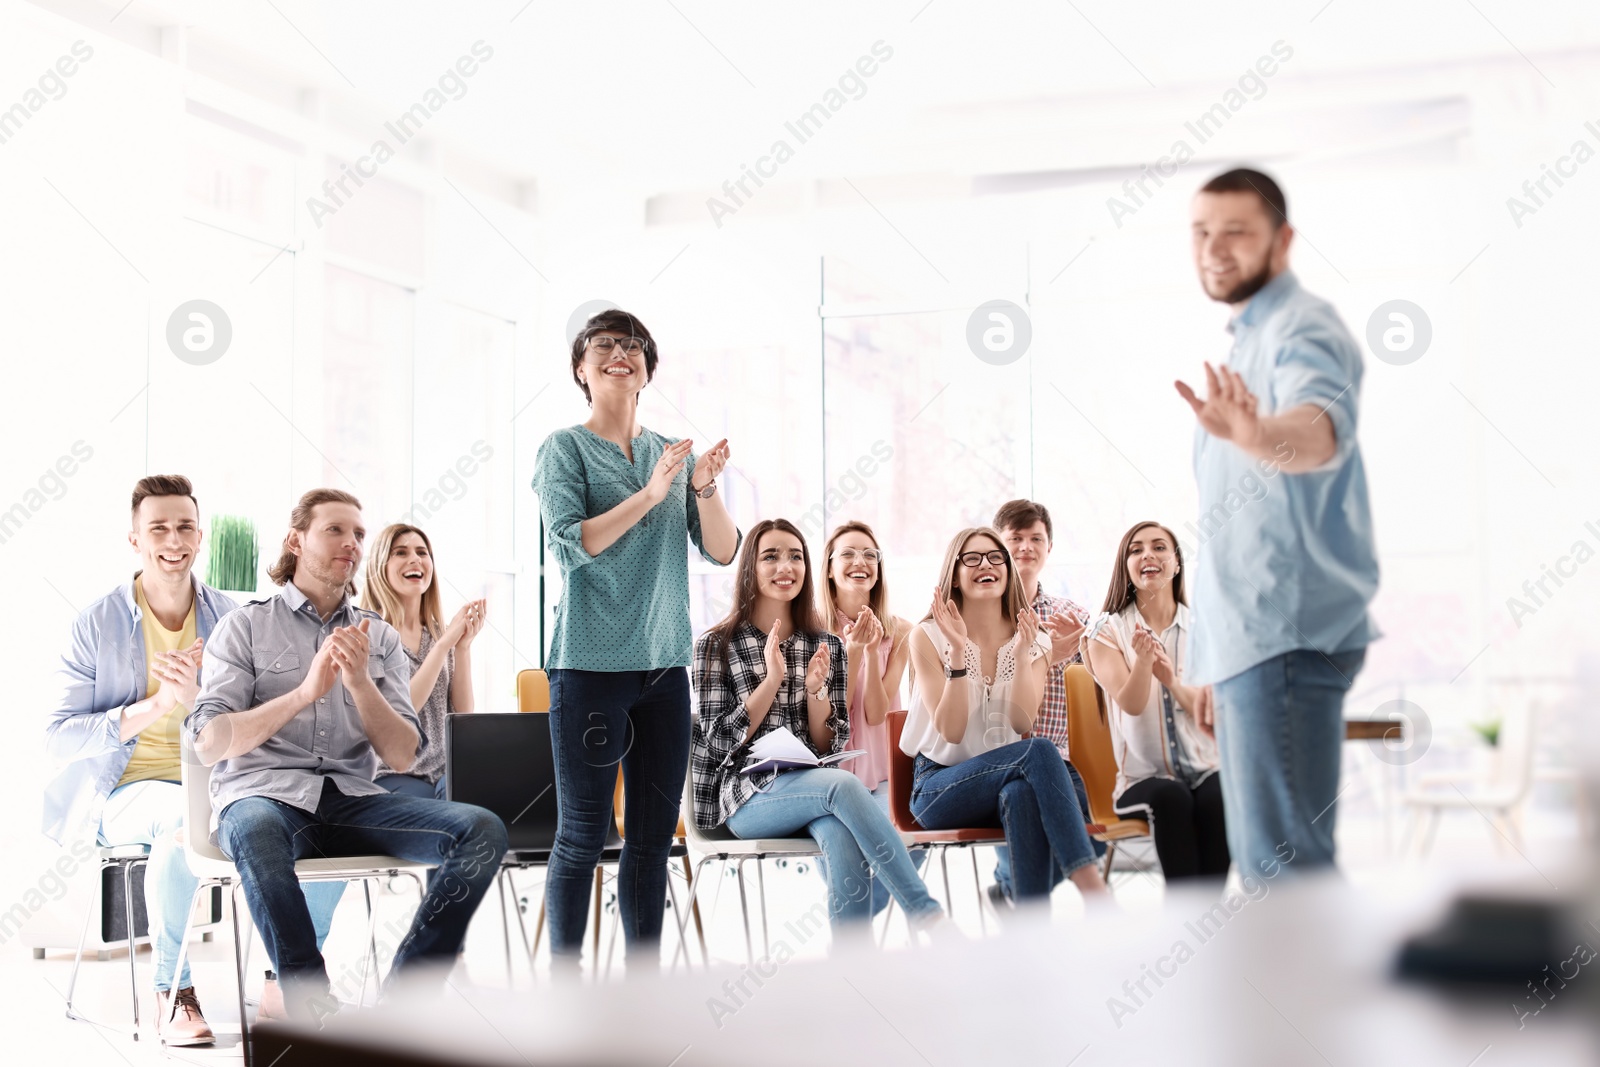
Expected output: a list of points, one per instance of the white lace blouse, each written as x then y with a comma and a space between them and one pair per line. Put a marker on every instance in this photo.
988, 699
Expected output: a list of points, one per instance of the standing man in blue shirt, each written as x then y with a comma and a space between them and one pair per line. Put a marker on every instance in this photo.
1286, 563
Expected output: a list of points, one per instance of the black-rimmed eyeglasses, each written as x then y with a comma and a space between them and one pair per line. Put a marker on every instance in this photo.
976, 559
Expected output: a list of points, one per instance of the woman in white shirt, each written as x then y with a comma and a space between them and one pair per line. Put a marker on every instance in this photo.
1161, 734
980, 664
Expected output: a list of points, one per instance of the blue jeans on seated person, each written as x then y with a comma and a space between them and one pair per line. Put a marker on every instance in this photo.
880, 891
600, 720
1002, 854
1280, 733
150, 813
1022, 787
852, 830
412, 786
265, 837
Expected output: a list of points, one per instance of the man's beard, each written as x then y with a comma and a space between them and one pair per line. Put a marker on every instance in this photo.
1247, 287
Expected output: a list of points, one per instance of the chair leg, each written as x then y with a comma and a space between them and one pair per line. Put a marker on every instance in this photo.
599, 887
695, 874
694, 906
133, 980
238, 956
372, 946
944, 865
95, 905
522, 925
744, 909
505, 920
977, 887
1105, 869
761, 886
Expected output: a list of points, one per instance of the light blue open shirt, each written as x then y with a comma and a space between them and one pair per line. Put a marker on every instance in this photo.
1286, 561
102, 672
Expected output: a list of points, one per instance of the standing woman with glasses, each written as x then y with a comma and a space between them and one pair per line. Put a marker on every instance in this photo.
855, 606
619, 502
981, 663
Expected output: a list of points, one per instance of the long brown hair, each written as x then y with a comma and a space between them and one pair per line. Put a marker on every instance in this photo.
803, 613
382, 597
282, 572
1121, 592
1014, 599
828, 592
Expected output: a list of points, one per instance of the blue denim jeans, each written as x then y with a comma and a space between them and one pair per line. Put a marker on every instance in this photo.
150, 813
880, 889
1280, 731
852, 830
412, 786
265, 837
1002, 854
1022, 787
598, 720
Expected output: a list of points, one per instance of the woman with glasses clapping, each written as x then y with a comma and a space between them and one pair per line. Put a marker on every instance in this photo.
620, 503
855, 606
980, 664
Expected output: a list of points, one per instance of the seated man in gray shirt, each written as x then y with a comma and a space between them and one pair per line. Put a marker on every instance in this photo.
303, 694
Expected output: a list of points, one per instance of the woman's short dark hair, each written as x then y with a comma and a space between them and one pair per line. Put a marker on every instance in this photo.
614, 320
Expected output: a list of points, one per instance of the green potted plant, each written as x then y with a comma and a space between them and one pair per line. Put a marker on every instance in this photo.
231, 566
1489, 730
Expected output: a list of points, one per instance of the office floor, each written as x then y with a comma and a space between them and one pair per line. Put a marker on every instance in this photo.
33, 991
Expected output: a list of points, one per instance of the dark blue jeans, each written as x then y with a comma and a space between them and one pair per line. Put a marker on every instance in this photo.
412, 786
1022, 787
1002, 855
1280, 733
265, 837
598, 721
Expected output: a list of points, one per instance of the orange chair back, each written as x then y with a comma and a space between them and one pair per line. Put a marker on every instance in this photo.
1089, 740
533, 690
900, 775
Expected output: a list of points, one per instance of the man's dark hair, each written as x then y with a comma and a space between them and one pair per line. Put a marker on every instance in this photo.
1021, 514
162, 485
615, 321
1245, 180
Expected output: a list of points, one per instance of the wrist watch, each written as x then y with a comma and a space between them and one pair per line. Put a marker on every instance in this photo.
821, 694
708, 492
958, 672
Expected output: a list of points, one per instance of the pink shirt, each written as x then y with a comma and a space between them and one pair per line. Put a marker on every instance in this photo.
873, 767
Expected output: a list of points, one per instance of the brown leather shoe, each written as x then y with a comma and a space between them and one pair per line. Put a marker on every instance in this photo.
188, 1027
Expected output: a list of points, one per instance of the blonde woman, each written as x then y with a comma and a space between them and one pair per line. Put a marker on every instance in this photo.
402, 587
981, 663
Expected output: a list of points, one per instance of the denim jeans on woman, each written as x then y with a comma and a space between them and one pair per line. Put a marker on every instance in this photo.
1280, 733
1022, 787
598, 721
852, 830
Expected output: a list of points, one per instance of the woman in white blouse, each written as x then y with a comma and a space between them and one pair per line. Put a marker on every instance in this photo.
1160, 728
980, 663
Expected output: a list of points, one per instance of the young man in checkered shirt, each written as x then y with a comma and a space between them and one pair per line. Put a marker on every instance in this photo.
1025, 528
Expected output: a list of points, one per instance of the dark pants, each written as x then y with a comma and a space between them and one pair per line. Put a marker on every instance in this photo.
265, 837
1191, 834
598, 721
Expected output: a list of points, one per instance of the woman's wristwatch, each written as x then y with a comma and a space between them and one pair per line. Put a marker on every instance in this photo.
821, 693
708, 492
957, 672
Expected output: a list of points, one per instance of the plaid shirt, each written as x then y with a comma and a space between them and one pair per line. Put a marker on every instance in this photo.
717, 748
1052, 721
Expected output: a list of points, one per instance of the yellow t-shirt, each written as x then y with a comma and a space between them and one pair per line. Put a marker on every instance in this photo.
157, 753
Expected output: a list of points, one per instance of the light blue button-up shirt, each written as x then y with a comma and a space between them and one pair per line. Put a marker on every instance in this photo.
1285, 561
262, 651
102, 672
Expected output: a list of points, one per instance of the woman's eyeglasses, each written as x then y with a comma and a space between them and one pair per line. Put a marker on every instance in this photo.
604, 346
976, 559
851, 555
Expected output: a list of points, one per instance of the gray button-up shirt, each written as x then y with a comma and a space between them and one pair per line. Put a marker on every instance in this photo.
262, 651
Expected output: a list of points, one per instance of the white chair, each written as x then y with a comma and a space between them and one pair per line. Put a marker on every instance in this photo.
212, 868
1499, 799
721, 844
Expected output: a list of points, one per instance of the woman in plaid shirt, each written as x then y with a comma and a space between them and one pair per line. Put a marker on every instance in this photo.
772, 663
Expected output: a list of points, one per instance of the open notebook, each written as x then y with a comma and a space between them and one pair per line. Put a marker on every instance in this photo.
781, 750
